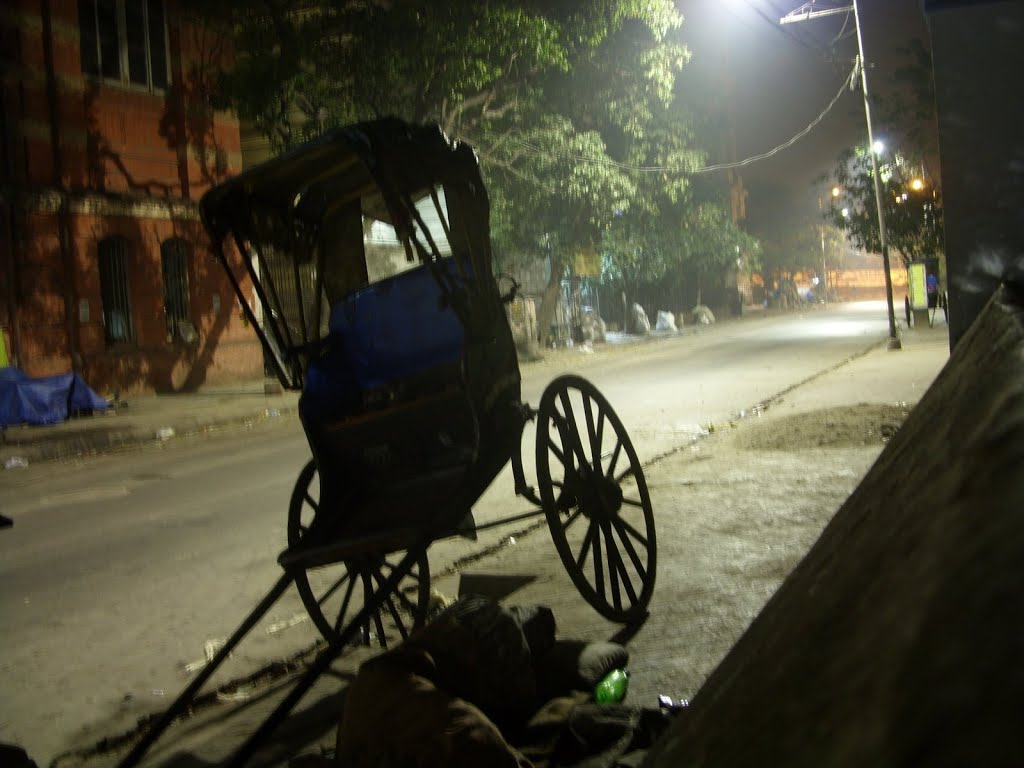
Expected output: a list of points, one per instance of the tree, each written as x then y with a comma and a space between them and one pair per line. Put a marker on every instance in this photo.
906, 109
711, 244
913, 207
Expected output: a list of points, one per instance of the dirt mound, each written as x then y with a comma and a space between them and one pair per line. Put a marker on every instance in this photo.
848, 427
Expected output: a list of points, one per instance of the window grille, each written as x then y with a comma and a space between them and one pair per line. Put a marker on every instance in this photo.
177, 307
114, 290
124, 40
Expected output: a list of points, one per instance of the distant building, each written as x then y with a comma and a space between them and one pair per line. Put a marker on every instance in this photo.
108, 143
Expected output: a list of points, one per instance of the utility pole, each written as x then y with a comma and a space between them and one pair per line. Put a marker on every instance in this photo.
824, 265
804, 13
824, 268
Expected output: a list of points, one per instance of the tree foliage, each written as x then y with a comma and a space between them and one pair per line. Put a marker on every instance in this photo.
906, 109
912, 206
563, 101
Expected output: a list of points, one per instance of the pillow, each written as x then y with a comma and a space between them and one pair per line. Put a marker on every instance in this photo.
573, 665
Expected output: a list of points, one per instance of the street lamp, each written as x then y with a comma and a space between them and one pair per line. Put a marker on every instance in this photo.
877, 146
917, 185
836, 191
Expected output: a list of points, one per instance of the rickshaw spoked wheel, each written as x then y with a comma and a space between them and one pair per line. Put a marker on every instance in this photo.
333, 594
595, 499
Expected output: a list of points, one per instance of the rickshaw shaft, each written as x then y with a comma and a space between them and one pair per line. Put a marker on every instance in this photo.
328, 655
188, 695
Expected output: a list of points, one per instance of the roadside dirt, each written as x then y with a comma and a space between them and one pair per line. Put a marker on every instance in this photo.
863, 425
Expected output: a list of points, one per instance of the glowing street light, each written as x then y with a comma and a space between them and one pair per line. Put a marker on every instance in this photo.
917, 185
846, 213
877, 147
836, 191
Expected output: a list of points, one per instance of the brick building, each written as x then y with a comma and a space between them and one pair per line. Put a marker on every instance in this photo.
108, 143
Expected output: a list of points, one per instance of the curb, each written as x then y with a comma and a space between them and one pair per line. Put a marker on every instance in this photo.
96, 442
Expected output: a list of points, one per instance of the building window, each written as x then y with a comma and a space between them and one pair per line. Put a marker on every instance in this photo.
174, 260
124, 40
114, 290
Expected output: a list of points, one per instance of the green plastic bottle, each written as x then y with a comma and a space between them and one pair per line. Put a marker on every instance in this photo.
612, 689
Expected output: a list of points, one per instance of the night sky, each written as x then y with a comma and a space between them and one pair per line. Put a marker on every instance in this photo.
784, 76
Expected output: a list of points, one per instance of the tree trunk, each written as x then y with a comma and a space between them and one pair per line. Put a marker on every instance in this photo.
549, 302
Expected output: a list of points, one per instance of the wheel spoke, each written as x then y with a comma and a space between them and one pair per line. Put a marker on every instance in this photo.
569, 423
599, 566
572, 519
395, 617
570, 418
311, 501
628, 472
595, 441
370, 595
568, 465
587, 541
630, 550
379, 625
557, 451
344, 604
613, 565
614, 459
633, 531
633, 502
408, 604
619, 565
399, 624
412, 574
334, 588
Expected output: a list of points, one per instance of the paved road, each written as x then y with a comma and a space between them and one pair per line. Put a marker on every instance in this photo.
121, 568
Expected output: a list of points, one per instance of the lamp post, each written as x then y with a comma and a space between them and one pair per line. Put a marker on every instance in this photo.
894, 340
804, 13
824, 267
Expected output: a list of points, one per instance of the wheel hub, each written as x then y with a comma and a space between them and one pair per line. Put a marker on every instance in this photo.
599, 497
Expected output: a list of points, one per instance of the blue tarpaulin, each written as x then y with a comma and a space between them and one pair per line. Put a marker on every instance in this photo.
48, 400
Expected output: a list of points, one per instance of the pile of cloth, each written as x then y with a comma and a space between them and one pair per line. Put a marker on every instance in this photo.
484, 685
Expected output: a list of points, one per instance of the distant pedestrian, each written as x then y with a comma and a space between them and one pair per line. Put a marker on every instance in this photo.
932, 289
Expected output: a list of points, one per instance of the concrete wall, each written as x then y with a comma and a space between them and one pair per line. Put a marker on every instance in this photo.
978, 60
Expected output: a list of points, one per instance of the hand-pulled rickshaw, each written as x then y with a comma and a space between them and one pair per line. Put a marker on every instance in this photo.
925, 296
369, 258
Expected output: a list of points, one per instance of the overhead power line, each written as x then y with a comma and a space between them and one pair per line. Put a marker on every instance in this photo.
848, 83
842, 32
